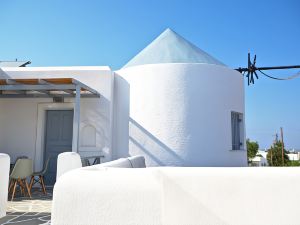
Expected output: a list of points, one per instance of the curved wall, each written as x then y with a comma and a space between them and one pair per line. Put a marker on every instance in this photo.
178, 114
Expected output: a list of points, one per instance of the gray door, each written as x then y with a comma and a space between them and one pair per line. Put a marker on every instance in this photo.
58, 139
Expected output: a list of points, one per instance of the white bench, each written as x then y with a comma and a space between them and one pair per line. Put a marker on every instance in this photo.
68, 161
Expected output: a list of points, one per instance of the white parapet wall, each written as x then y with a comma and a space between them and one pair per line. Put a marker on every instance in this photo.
106, 196
4, 178
179, 114
176, 196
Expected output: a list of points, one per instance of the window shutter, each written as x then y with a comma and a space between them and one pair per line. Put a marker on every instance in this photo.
236, 120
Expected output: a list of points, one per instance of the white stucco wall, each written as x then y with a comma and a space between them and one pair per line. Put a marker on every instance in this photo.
178, 114
1, 123
4, 179
20, 127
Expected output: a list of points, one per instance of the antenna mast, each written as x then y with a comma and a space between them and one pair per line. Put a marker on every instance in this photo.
251, 70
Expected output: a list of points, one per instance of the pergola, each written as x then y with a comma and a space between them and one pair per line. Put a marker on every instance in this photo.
50, 88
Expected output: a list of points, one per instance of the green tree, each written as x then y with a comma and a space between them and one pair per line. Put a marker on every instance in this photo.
294, 163
274, 155
252, 149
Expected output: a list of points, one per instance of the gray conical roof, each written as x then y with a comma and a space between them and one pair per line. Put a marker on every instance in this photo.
170, 47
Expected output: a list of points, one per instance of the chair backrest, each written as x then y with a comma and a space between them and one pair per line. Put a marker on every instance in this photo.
22, 169
130, 162
119, 163
46, 165
21, 157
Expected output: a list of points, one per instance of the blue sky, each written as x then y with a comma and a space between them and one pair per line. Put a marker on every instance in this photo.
67, 33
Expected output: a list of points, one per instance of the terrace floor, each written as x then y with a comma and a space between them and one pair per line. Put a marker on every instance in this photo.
26, 211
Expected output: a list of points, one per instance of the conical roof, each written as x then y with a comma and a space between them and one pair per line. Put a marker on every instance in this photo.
170, 47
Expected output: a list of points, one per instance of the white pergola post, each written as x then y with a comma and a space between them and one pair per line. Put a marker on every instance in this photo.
76, 120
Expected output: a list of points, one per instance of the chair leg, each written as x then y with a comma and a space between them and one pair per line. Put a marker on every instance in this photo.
43, 184
21, 186
24, 182
31, 182
11, 184
28, 190
14, 190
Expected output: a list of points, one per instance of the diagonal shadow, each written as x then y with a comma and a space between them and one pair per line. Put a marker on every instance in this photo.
152, 156
154, 142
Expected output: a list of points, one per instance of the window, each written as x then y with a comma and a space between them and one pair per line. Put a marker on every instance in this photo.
237, 130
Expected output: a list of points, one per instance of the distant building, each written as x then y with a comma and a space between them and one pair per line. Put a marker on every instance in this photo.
294, 156
260, 159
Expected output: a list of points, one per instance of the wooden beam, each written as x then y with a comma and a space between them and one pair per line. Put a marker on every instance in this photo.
10, 81
26, 81
21, 95
59, 80
44, 86
85, 87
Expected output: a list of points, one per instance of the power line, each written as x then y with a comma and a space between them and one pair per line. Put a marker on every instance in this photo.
277, 78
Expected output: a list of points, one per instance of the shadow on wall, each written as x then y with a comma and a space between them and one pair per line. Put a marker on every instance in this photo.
155, 151
131, 138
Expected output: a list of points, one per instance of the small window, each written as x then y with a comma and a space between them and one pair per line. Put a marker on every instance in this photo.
237, 130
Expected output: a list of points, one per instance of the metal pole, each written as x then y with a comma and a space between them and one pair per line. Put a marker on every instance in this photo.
244, 69
76, 120
278, 67
282, 146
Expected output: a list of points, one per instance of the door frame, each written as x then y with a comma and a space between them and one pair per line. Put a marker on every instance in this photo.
41, 129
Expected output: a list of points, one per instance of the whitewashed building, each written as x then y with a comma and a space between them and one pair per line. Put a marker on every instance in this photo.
260, 159
173, 103
183, 107
294, 156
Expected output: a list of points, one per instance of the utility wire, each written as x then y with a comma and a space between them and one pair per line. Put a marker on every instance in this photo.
277, 78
